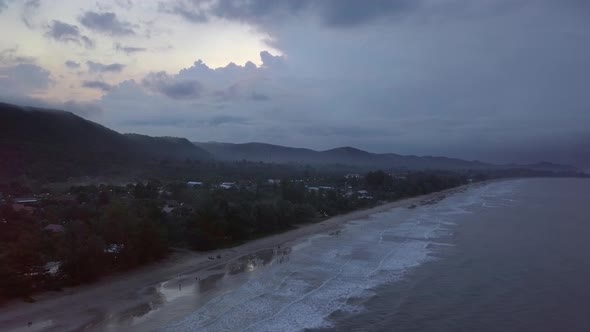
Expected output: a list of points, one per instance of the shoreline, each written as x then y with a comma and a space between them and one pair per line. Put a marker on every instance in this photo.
87, 305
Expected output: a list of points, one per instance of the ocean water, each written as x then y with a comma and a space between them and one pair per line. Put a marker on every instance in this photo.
505, 256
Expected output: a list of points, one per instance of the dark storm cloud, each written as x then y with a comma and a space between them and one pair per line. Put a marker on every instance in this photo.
230, 84
173, 88
106, 23
250, 11
65, 32
229, 94
22, 79
187, 10
337, 13
226, 119
495, 80
72, 64
11, 56
236, 93
3, 5
353, 12
128, 49
89, 110
126, 4
343, 131
99, 85
30, 9
97, 67
259, 96
269, 60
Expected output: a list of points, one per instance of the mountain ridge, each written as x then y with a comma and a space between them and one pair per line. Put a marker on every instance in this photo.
265, 152
46, 141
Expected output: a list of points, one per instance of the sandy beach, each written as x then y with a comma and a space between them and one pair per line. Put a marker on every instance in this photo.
89, 307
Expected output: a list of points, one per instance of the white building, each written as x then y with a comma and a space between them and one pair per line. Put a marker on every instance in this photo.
353, 176
25, 200
326, 188
364, 194
227, 185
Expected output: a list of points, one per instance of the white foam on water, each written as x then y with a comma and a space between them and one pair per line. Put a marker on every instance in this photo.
323, 272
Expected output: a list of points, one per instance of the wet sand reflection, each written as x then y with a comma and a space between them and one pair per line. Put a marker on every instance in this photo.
194, 290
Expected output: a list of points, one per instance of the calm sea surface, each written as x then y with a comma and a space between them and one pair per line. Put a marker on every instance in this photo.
518, 260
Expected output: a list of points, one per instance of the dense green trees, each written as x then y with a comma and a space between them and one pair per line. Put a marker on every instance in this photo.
376, 180
21, 263
83, 255
99, 237
113, 228
223, 218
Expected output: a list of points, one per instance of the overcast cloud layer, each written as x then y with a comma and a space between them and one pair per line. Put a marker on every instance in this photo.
494, 80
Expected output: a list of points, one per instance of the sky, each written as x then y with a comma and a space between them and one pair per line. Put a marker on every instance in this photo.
493, 80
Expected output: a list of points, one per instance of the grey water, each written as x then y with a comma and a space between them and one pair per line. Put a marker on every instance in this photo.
517, 259
510, 255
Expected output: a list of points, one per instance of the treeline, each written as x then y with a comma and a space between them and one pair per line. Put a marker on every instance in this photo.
81, 233
81, 240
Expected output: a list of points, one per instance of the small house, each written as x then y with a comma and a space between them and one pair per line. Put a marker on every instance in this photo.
170, 206
353, 176
167, 209
326, 188
172, 203
114, 248
364, 194
227, 185
52, 267
54, 228
193, 184
26, 200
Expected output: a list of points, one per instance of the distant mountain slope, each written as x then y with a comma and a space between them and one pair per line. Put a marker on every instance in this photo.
257, 152
355, 157
344, 156
51, 144
40, 141
169, 147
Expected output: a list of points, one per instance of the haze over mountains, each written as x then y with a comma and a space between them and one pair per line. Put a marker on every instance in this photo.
353, 157
327, 80
343, 155
34, 140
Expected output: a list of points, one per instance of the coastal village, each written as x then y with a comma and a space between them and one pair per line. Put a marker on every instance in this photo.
55, 236
353, 187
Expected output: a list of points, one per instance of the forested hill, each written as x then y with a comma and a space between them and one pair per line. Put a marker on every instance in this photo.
40, 142
169, 147
355, 157
53, 144
343, 156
